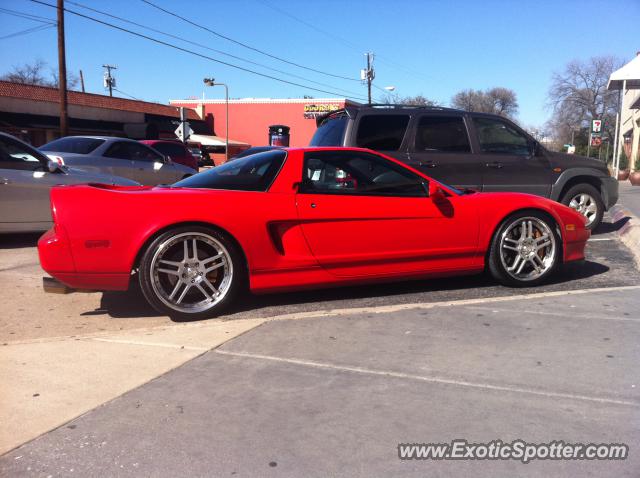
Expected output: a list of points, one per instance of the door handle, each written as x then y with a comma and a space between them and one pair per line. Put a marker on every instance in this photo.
427, 164
313, 205
5, 181
495, 164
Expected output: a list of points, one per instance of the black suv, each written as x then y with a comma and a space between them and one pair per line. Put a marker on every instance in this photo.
476, 151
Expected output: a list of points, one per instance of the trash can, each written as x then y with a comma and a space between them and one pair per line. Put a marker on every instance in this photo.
279, 135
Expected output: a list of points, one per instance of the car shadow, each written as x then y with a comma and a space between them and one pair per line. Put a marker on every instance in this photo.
131, 304
19, 241
608, 227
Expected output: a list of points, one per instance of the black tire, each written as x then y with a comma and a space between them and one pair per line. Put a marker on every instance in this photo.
585, 190
498, 258
217, 266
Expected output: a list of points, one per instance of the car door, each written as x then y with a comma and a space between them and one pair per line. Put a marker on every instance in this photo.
509, 158
118, 160
363, 215
25, 183
440, 148
151, 168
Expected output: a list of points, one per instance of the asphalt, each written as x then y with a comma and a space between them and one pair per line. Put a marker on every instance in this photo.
334, 396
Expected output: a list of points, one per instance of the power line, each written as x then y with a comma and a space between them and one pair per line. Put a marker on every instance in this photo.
27, 16
191, 52
127, 94
27, 31
247, 46
182, 39
339, 39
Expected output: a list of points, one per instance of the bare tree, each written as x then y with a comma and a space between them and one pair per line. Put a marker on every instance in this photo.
417, 100
498, 100
579, 94
34, 74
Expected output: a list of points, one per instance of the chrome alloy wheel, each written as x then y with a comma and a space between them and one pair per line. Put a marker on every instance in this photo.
191, 272
527, 248
585, 205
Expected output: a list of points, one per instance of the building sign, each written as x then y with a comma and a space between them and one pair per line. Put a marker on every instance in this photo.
312, 111
596, 126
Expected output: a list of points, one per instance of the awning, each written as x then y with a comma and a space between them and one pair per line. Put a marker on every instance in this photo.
209, 140
629, 72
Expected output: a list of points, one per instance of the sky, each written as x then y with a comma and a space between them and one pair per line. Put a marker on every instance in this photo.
433, 48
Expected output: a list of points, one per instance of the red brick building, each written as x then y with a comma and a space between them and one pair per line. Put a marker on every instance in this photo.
250, 118
33, 113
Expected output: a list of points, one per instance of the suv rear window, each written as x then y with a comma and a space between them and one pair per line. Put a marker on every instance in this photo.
71, 144
382, 132
330, 132
442, 134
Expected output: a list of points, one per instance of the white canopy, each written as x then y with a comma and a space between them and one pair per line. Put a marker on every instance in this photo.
629, 72
209, 140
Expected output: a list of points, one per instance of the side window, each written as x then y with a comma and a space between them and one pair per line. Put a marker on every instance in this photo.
118, 150
496, 136
15, 156
168, 149
360, 174
382, 132
140, 152
446, 134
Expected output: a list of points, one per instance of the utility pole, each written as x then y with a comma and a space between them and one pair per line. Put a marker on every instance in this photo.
82, 81
62, 72
369, 74
109, 81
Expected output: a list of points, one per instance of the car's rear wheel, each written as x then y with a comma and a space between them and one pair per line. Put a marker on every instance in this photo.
525, 250
191, 272
585, 199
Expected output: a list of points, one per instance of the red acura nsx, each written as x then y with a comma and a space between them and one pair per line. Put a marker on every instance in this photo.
291, 219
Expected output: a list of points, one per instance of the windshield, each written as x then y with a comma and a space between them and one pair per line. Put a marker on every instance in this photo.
330, 132
251, 173
73, 145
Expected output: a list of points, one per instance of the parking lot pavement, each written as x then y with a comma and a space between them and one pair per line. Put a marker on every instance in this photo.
334, 396
630, 197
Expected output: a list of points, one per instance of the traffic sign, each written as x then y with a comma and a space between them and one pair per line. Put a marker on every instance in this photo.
183, 131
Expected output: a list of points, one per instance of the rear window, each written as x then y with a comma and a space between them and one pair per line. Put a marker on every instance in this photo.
73, 145
382, 132
331, 132
169, 149
251, 173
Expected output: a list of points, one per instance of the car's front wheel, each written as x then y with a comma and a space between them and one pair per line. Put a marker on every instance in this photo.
525, 249
585, 199
191, 272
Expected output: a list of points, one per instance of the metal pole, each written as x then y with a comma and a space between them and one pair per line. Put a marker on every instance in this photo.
62, 72
619, 129
369, 77
226, 96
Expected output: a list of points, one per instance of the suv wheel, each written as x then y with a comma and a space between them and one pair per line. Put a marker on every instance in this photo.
585, 199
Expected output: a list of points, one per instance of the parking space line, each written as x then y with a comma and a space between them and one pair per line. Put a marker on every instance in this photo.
382, 309
431, 379
557, 314
598, 239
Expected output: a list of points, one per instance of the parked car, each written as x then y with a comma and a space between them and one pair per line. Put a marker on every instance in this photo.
118, 156
26, 176
297, 219
196, 152
175, 150
254, 150
473, 150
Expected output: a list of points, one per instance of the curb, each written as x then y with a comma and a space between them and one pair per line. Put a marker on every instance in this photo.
629, 233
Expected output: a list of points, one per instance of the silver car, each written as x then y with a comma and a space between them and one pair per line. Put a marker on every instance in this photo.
26, 176
119, 157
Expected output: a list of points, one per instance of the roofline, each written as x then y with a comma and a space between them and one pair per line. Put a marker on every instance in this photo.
266, 101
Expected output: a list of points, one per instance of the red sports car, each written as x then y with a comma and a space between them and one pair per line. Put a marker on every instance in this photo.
294, 219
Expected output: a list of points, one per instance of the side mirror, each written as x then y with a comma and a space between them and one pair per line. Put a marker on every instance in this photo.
435, 191
55, 166
168, 160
